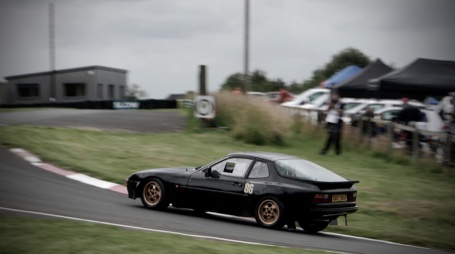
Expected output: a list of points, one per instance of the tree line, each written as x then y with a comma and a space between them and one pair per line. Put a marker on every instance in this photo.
259, 81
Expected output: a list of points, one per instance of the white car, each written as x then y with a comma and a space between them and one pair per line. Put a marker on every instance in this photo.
258, 95
375, 105
431, 121
308, 96
348, 103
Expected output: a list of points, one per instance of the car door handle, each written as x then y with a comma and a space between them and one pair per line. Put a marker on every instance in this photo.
237, 184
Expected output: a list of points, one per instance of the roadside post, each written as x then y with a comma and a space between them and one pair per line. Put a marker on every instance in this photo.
204, 105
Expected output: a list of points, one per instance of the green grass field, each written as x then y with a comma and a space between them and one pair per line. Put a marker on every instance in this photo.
21, 234
413, 204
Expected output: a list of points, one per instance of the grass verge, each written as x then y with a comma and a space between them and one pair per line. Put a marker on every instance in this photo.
21, 234
22, 109
411, 204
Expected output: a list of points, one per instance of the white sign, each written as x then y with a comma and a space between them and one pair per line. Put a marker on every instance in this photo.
125, 105
204, 106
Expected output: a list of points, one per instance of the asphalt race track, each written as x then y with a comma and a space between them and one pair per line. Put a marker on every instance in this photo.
123, 120
26, 187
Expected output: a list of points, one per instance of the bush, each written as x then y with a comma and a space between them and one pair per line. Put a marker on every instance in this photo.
254, 120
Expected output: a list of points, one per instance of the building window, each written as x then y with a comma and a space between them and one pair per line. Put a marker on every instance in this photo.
99, 91
121, 92
74, 89
28, 90
111, 91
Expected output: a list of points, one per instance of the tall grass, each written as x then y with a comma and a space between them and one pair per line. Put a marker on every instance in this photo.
254, 120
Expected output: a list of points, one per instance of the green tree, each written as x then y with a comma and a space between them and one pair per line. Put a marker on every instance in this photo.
134, 92
259, 81
233, 81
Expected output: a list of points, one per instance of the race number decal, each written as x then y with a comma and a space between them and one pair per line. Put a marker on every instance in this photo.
249, 187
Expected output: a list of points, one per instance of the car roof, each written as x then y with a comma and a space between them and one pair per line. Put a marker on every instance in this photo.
265, 155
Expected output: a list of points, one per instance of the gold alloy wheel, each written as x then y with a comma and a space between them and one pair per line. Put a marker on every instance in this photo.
152, 193
269, 212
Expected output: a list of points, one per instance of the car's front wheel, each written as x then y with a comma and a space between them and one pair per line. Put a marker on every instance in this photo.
154, 195
269, 213
313, 226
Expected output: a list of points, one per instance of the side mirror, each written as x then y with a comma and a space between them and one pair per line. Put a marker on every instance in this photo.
209, 173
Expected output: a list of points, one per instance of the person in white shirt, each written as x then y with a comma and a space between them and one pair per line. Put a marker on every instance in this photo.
334, 124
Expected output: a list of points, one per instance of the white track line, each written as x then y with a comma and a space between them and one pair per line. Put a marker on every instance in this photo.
150, 229
92, 181
375, 240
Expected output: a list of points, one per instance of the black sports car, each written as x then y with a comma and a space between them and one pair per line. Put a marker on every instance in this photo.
276, 189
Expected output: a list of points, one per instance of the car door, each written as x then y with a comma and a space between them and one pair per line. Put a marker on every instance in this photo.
223, 189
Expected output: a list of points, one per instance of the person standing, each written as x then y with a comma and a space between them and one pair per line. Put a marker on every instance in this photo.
334, 124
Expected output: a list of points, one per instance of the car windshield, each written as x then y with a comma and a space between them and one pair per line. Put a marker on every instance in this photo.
303, 169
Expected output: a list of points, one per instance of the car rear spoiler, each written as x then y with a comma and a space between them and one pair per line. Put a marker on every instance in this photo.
334, 185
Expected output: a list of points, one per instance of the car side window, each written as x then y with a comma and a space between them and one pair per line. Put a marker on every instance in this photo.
260, 170
236, 167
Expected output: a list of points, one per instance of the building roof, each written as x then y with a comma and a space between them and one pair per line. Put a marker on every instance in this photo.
87, 68
266, 155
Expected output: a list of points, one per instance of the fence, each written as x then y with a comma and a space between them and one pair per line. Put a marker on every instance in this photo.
390, 137
107, 104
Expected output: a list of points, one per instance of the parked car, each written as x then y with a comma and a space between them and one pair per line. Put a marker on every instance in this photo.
273, 96
351, 116
276, 189
258, 95
308, 96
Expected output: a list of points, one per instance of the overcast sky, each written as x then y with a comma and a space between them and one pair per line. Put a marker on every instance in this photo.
162, 42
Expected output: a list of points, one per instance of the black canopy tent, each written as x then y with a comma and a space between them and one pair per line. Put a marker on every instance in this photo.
357, 85
418, 80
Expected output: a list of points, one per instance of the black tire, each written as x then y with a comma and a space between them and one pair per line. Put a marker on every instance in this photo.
269, 213
154, 195
313, 227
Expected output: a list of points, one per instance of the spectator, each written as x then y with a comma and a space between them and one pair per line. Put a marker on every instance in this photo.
284, 96
409, 114
237, 91
334, 124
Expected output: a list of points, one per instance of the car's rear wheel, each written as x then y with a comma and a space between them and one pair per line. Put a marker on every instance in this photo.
313, 226
269, 213
154, 195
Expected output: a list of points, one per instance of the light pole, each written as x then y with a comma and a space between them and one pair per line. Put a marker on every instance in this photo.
246, 78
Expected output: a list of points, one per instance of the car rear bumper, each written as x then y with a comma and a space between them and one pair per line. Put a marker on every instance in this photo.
332, 210
131, 186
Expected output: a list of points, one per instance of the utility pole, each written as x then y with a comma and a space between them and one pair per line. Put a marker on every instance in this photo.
52, 89
246, 84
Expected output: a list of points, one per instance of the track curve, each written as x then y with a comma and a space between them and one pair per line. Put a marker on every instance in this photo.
26, 187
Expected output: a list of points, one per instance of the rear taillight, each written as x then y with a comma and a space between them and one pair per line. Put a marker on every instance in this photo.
321, 198
445, 127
